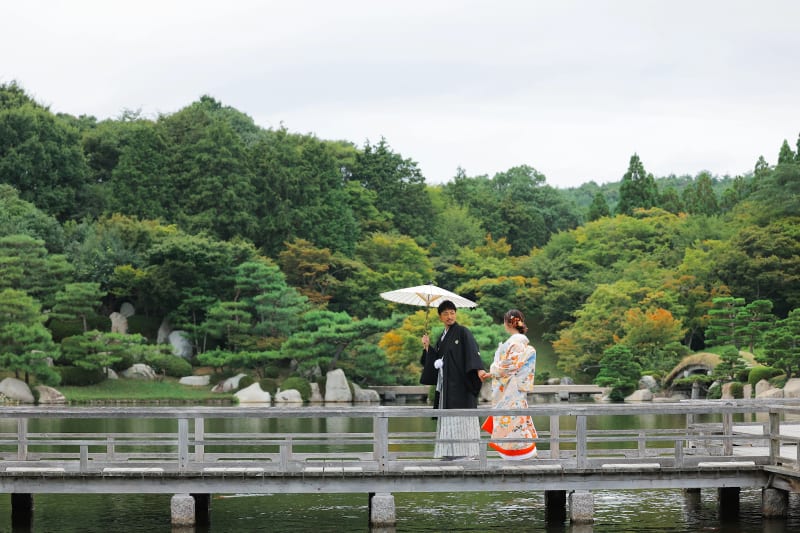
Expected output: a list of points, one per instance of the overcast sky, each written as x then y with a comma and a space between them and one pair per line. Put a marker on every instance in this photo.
572, 88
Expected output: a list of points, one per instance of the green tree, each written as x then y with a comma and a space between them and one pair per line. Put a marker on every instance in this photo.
183, 266
18, 217
399, 186
97, 350
638, 188
599, 207
730, 365
726, 322
385, 262
454, 228
516, 205
274, 306
303, 194
78, 301
210, 167
139, 183
618, 370
25, 264
757, 319
230, 322
786, 155
331, 340
654, 336
782, 345
41, 156
700, 198
670, 201
25, 344
763, 263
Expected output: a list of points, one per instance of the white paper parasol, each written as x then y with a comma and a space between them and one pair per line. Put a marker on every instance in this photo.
426, 296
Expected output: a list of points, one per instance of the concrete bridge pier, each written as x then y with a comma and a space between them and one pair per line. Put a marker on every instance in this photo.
190, 509
381, 509
581, 507
774, 503
182, 510
555, 506
21, 512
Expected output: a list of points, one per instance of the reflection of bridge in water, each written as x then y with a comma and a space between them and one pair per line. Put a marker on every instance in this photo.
416, 393
575, 457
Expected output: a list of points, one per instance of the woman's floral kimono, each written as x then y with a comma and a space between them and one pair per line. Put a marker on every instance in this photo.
512, 373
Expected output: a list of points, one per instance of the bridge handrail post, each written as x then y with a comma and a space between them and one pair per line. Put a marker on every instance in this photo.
679, 446
22, 439
199, 436
183, 443
380, 428
285, 453
581, 446
555, 436
727, 434
775, 437
84, 459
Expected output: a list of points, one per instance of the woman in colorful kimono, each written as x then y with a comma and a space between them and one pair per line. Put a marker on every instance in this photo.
512, 374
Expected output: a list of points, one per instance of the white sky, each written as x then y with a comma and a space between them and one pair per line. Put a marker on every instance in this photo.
570, 87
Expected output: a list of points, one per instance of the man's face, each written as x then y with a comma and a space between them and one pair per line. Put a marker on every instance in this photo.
448, 317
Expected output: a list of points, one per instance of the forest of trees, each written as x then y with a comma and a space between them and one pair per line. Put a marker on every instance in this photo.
270, 249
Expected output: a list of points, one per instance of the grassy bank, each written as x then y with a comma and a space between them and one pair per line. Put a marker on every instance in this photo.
131, 390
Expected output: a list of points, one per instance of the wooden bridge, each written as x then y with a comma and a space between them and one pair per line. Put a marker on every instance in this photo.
722, 445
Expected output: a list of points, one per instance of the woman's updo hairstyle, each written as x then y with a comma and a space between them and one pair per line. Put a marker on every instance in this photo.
516, 320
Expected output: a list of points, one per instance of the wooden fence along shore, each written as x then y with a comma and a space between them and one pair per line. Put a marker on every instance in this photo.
749, 443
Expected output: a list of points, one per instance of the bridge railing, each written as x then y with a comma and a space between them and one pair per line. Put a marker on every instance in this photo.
579, 436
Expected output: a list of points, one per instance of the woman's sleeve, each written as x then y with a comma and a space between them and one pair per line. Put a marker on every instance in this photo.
510, 361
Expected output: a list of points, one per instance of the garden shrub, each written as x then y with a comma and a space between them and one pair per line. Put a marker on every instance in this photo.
299, 384
127, 361
169, 365
757, 373
714, 391
269, 385
737, 389
271, 372
80, 377
245, 382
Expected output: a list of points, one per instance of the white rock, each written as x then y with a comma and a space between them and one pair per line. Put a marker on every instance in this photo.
16, 389
195, 381
337, 388
229, 384
762, 386
180, 344
365, 395
253, 394
127, 310
163, 332
641, 395
139, 371
792, 388
119, 324
50, 395
316, 395
774, 392
288, 396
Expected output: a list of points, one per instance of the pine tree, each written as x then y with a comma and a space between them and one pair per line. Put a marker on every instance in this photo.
638, 188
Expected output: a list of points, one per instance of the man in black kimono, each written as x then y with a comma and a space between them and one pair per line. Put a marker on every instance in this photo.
453, 366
